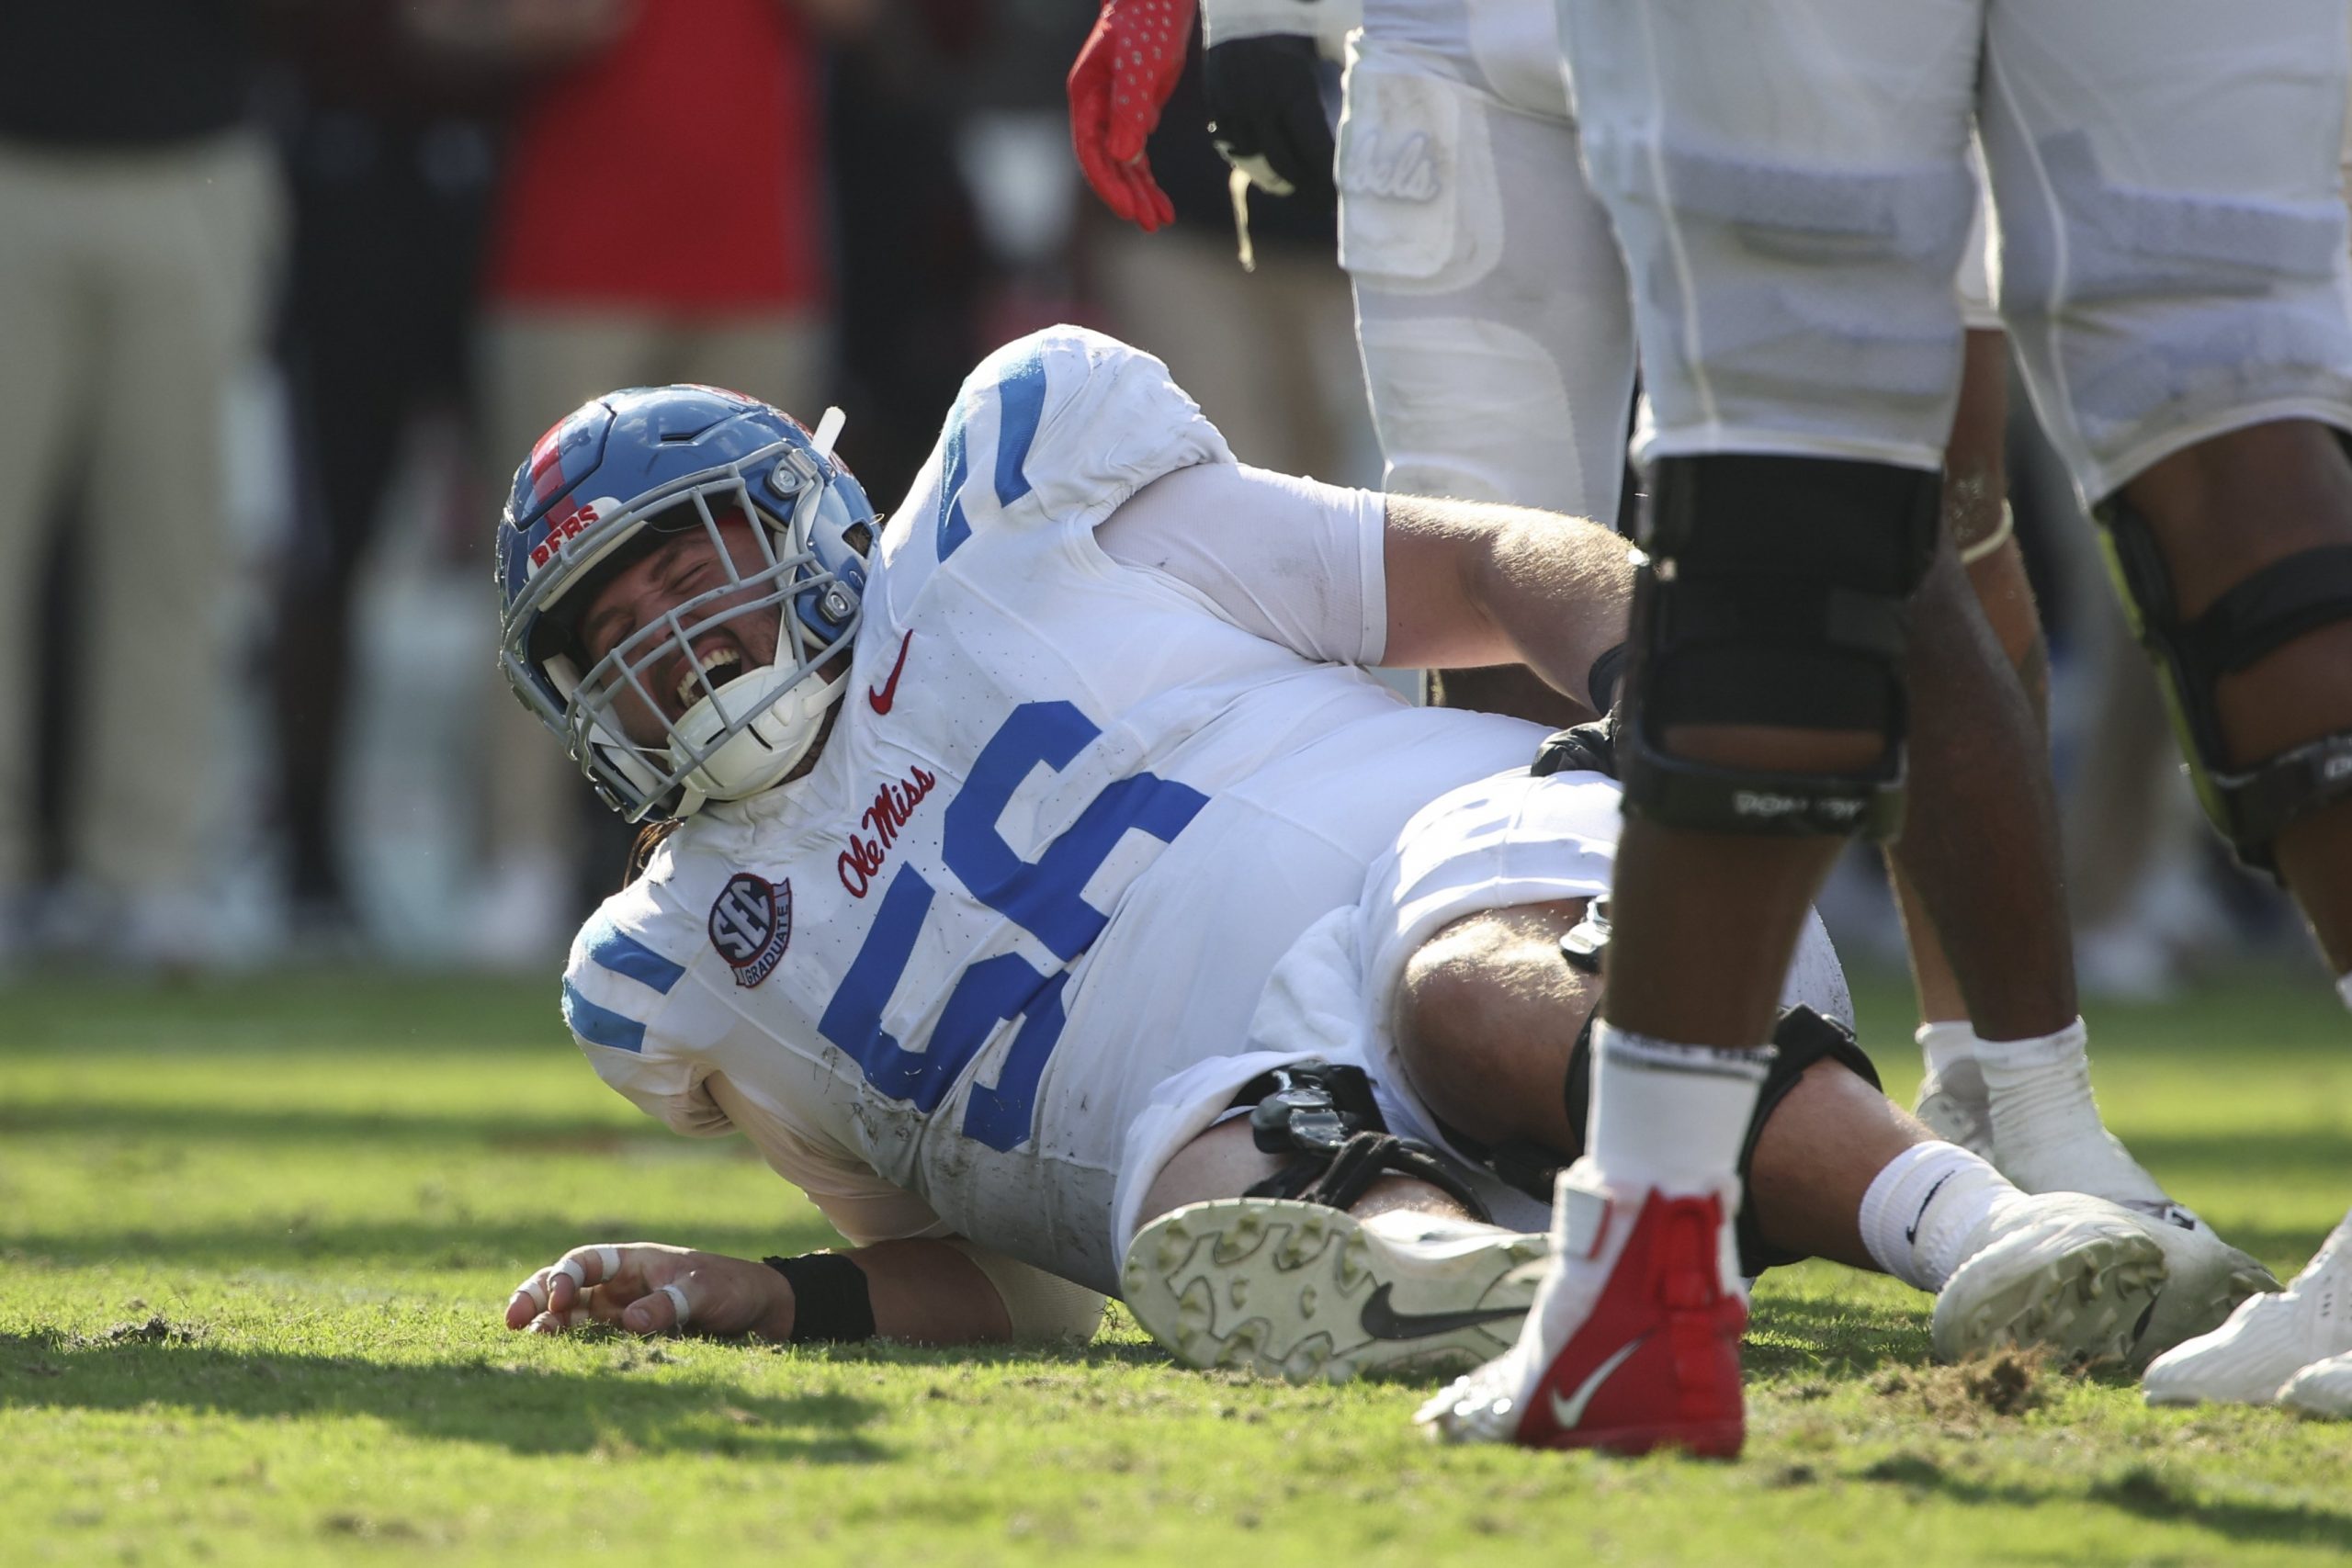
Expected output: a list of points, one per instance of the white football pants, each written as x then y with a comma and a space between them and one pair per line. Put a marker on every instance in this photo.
1788, 179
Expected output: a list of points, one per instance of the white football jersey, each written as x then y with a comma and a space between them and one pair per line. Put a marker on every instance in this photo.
1072, 810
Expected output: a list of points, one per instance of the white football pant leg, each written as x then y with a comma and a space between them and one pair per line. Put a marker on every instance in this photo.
1490, 297
2173, 227
1789, 180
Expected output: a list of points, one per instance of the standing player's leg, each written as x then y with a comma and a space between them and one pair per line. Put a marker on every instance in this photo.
1981, 844
2175, 278
1491, 303
1801, 344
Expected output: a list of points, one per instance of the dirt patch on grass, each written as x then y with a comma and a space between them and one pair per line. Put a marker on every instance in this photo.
154, 1330
2009, 1384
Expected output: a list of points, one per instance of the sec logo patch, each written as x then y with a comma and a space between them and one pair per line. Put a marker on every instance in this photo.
750, 925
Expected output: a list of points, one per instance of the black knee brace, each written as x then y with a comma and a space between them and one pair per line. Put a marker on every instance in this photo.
2299, 594
1777, 593
1802, 1038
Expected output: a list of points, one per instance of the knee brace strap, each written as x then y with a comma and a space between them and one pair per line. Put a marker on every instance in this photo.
1326, 1117
1777, 593
1802, 1038
2295, 594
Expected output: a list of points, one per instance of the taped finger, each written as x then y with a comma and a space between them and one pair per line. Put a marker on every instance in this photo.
557, 1322
575, 1267
678, 1298
575, 1263
533, 1290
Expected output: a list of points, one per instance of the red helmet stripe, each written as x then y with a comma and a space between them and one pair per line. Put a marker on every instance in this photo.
547, 461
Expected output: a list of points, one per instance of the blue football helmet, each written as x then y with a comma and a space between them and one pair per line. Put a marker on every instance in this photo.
611, 482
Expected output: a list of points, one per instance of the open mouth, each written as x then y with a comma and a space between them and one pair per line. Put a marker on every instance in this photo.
713, 668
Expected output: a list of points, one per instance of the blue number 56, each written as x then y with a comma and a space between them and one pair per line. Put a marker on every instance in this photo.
1042, 896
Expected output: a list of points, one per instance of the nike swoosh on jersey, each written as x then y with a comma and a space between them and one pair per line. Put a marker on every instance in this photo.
1383, 1322
1568, 1412
888, 691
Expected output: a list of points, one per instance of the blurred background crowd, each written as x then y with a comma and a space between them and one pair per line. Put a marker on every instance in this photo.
288, 286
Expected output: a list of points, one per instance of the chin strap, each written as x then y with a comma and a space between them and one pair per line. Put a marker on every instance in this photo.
758, 756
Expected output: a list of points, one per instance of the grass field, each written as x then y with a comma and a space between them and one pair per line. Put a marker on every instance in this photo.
253, 1241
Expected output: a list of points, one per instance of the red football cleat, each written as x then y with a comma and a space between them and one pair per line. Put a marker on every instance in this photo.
1634, 1344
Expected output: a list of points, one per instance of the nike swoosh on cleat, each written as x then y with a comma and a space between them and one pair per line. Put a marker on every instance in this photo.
1383, 1322
1568, 1412
2139, 1329
1911, 1231
889, 692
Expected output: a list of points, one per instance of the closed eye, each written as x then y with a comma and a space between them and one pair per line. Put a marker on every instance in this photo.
604, 631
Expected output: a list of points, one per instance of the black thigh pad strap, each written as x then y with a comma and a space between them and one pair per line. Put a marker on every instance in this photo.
1777, 593
2293, 596
1323, 1115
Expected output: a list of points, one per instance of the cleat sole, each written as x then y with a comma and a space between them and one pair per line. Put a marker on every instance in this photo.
1282, 1289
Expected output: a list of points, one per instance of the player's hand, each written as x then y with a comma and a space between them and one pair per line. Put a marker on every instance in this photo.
1125, 70
1265, 100
648, 1288
1585, 748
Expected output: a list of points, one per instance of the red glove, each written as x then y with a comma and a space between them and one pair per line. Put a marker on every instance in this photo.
1125, 70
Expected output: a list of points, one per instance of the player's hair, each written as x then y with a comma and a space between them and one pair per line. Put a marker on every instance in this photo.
649, 837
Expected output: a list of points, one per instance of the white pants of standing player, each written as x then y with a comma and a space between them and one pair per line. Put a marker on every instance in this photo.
132, 286
1491, 302
1491, 299
1788, 180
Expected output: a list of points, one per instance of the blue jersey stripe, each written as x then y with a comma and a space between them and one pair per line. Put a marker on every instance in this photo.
600, 1026
609, 947
1021, 394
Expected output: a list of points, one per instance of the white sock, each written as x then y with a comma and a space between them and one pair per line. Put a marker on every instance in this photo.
2343, 988
1669, 1116
1923, 1206
2046, 1127
1944, 1043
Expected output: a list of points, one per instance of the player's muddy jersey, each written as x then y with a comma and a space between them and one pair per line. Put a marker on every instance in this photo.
927, 979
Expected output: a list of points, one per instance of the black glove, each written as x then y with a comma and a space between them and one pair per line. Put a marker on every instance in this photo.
1584, 749
1265, 101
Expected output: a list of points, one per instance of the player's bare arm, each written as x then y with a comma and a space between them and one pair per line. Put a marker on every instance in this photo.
919, 1292
1474, 584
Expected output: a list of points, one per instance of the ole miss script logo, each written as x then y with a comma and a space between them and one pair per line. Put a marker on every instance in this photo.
750, 925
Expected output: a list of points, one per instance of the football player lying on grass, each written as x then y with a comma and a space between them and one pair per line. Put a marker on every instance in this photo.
1057, 903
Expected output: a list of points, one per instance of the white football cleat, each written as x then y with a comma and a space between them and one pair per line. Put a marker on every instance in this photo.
2207, 1276
2323, 1388
2266, 1341
2205, 1279
2075, 1275
1956, 1109
1306, 1292
1632, 1343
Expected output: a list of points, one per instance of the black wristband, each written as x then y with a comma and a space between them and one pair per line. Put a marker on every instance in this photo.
832, 1300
